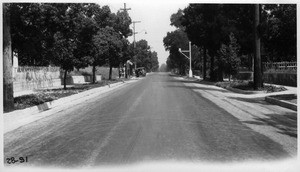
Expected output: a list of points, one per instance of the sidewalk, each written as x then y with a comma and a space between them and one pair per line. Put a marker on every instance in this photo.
15, 119
276, 122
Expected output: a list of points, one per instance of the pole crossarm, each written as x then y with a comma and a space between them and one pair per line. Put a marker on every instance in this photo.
136, 22
125, 9
184, 54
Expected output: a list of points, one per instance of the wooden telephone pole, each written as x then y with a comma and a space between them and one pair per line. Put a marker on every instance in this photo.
8, 93
126, 64
258, 83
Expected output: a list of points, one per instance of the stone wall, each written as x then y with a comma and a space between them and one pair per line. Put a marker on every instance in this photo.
30, 78
81, 79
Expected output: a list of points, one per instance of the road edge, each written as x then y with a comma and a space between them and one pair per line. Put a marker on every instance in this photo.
281, 103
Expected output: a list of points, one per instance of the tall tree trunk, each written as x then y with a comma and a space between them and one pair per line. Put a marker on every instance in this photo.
8, 92
204, 63
126, 71
110, 72
94, 73
220, 72
212, 66
65, 79
257, 58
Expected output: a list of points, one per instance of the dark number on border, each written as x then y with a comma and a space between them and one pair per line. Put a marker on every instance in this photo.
13, 160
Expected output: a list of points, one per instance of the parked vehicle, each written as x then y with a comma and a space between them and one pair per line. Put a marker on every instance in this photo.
140, 71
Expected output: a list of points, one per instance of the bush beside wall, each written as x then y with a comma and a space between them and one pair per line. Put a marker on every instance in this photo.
244, 75
288, 79
272, 77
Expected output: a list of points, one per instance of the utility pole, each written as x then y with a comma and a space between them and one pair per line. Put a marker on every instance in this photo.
257, 58
126, 64
134, 22
134, 45
8, 92
125, 9
190, 57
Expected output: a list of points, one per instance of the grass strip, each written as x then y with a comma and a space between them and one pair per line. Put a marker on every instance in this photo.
47, 95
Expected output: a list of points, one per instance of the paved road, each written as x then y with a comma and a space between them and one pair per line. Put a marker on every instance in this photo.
157, 118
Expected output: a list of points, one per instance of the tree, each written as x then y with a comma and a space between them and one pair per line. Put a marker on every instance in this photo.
177, 20
121, 22
145, 57
279, 31
94, 18
109, 47
8, 98
66, 39
85, 49
209, 25
228, 55
203, 27
172, 42
63, 53
29, 33
154, 62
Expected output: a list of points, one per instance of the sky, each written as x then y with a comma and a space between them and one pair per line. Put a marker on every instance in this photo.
155, 21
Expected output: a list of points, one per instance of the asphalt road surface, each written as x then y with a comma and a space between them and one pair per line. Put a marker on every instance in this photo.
157, 118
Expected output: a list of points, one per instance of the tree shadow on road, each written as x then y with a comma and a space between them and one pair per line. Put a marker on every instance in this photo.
182, 81
258, 100
196, 81
286, 123
199, 88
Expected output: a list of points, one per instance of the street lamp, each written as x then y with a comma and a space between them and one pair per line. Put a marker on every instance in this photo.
190, 57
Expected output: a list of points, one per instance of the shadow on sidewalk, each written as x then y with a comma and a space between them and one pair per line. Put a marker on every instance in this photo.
286, 123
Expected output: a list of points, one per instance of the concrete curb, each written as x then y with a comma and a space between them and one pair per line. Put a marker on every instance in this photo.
55, 103
268, 98
244, 91
281, 103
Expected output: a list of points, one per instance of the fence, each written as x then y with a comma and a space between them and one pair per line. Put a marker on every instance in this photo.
282, 73
280, 66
